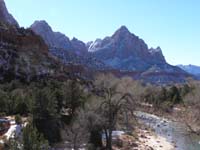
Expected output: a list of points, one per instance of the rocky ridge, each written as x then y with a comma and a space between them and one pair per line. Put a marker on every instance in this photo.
123, 52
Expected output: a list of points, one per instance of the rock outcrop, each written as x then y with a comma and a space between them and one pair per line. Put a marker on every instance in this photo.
5, 16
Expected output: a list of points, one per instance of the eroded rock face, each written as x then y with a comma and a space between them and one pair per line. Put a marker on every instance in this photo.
125, 51
5, 16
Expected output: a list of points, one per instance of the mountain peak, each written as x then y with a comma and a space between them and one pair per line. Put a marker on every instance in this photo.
57, 40
158, 48
74, 39
51, 38
155, 50
78, 46
122, 30
41, 23
5, 16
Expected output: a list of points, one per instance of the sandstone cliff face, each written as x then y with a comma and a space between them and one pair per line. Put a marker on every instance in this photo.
5, 16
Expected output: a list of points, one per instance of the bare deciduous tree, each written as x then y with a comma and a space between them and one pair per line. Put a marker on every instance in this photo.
112, 103
77, 133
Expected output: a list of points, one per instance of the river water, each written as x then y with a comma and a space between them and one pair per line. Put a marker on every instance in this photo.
176, 133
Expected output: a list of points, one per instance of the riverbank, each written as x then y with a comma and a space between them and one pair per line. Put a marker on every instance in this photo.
165, 130
149, 140
145, 136
145, 139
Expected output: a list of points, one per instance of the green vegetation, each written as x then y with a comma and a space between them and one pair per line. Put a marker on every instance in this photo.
32, 140
43, 101
164, 98
18, 119
79, 112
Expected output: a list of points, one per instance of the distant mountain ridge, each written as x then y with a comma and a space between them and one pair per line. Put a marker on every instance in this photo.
39, 50
122, 51
192, 69
68, 51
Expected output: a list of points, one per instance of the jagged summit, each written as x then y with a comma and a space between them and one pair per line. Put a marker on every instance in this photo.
123, 29
155, 50
5, 16
126, 51
122, 32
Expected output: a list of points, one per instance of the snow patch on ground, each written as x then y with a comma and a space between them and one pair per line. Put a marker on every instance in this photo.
14, 131
115, 134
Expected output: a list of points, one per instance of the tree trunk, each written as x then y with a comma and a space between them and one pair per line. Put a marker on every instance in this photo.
96, 139
111, 119
109, 142
107, 138
75, 143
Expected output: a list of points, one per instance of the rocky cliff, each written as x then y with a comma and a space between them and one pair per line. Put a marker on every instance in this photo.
24, 55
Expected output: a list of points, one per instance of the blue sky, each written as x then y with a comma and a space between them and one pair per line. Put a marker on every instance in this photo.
174, 25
